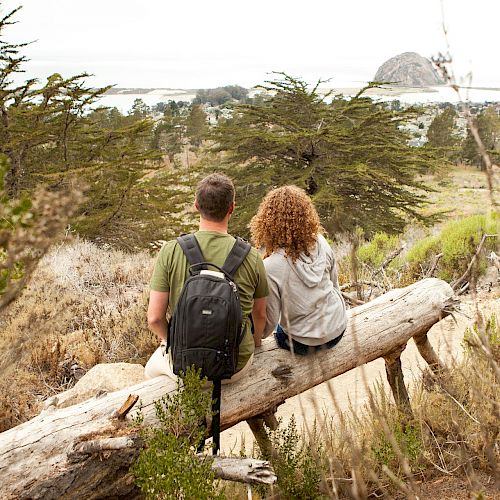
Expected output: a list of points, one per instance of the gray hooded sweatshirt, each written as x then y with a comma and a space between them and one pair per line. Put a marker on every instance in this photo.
304, 297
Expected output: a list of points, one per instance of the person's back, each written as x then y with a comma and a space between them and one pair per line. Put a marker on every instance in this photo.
215, 202
312, 310
305, 307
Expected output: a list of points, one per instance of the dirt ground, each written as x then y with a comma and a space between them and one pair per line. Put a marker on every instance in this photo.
455, 488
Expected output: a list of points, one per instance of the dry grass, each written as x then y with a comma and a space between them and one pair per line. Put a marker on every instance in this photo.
84, 305
454, 433
460, 191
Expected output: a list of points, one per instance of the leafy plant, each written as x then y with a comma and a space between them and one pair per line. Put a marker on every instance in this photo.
297, 463
169, 467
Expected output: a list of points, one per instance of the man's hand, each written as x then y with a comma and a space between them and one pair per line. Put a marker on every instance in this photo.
259, 320
163, 347
157, 312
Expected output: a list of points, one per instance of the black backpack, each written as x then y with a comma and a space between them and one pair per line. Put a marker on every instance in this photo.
207, 325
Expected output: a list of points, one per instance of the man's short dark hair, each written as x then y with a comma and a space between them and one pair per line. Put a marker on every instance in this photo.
214, 196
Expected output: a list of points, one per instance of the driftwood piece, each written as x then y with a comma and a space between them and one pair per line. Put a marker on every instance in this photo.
34, 460
243, 470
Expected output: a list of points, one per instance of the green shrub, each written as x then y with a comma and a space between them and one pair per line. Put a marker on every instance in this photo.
409, 441
168, 467
458, 242
298, 463
376, 251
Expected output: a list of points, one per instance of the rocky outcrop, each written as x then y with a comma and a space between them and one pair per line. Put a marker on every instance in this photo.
99, 380
408, 69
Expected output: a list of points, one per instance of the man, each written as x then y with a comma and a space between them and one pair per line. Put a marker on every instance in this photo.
215, 204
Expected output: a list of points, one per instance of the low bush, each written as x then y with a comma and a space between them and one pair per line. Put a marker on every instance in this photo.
458, 242
299, 463
377, 249
168, 467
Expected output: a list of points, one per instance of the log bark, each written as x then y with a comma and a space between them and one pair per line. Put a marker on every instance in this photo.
37, 458
396, 381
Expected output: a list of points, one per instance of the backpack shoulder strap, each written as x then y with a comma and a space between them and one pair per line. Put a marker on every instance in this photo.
238, 254
191, 248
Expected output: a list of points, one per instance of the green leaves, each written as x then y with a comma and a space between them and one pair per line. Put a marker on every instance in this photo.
168, 467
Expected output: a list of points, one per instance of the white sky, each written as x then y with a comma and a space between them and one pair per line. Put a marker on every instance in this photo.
207, 43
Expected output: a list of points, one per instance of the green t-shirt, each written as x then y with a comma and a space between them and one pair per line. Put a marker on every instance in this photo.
171, 271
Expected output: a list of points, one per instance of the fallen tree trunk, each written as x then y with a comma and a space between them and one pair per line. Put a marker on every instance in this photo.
38, 458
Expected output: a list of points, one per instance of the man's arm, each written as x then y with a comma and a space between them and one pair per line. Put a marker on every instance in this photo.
259, 319
157, 311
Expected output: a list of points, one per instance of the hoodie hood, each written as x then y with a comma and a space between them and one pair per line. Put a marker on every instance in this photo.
311, 268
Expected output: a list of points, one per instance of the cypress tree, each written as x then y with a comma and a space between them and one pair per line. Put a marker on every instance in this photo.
53, 139
350, 155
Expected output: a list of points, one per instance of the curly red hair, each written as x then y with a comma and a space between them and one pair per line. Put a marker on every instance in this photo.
287, 219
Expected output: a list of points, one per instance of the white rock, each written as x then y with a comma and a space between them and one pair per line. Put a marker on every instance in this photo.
102, 378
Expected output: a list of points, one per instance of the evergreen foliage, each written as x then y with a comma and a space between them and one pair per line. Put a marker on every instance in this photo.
488, 126
196, 125
51, 138
350, 155
168, 135
442, 133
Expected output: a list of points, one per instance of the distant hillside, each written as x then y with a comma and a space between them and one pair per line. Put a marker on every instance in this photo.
408, 69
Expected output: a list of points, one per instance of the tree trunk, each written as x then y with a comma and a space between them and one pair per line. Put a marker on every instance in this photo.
43, 458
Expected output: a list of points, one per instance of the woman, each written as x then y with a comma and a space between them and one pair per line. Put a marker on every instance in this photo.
305, 306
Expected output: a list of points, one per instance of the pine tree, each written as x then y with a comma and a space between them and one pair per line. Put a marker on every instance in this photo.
350, 155
442, 133
168, 134
488, 125
196, 125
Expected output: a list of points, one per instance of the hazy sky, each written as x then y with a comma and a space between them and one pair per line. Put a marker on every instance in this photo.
203, 43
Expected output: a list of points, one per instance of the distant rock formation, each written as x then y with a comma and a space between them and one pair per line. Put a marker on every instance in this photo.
408, 69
